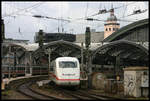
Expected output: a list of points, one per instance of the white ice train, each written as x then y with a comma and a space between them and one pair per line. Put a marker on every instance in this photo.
65, 71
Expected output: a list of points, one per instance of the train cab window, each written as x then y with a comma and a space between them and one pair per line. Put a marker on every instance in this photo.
67, 64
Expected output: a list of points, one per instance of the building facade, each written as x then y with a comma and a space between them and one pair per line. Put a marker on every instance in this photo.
111, 24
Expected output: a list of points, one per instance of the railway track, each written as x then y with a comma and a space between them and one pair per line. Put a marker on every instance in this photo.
98, 96
77, 95
70, 93
80, 94
104, 95
26, 90
83, 95
73, 94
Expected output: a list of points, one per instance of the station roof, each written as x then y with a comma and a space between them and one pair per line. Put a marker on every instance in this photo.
30, 47
58, 48
125, 29
130, 52
102, 52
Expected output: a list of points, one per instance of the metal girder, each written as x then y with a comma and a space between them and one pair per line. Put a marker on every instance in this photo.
117, 53
15, 47
114, 51
50, 49
104, 50
133, 55
137, 57
59, 48
125, 55
65, 53
125, 49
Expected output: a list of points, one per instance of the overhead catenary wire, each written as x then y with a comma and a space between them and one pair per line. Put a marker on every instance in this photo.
93, 20
20, 10
61, 8
86, 10
124, 11
135, 11
98, 13
64, 24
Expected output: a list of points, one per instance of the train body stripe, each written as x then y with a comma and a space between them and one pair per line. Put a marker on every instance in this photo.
63, 79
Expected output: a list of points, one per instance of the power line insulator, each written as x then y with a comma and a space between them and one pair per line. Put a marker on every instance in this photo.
38, 16
90, 19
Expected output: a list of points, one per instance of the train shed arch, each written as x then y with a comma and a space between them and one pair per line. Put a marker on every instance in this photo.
59, 48
130, 53
15, 47
137, 32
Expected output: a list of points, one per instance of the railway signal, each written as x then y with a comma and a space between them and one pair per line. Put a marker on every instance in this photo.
40, 38
87, 37
88, 55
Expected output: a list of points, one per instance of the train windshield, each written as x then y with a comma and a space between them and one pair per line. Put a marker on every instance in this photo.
67, 64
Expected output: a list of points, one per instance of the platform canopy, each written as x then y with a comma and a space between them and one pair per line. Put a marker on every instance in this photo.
13, 47
58, 49
130, 53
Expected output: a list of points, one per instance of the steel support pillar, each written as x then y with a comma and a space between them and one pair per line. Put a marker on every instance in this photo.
48, 51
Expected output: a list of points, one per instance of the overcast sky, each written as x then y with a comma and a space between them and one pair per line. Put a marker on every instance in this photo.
19, 23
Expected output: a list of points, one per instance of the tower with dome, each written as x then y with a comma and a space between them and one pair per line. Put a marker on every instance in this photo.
111, 24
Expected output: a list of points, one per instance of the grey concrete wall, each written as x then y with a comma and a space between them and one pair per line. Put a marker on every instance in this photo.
133, 81
95, 37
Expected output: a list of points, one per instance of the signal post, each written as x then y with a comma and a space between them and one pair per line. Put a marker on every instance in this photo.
88, 55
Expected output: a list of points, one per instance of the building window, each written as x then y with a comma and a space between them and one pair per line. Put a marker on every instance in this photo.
106, 29
113, 29
109, 29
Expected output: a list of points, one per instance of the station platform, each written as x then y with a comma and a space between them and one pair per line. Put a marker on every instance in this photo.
6, 81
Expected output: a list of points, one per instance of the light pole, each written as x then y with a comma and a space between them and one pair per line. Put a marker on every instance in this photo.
82, 57
14, 71
25, 64
9, 65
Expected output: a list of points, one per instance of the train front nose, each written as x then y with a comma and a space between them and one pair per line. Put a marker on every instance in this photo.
68, 82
